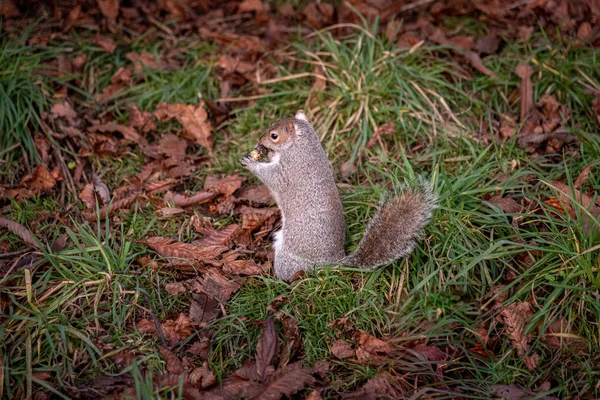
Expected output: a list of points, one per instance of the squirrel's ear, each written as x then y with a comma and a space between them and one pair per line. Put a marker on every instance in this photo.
300, 115
291, 128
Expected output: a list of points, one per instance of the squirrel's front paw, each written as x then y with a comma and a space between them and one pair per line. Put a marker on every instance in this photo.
247, 161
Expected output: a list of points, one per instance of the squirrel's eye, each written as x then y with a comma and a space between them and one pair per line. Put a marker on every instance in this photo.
274, 136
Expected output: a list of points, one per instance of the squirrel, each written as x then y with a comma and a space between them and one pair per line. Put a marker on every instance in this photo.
300, 177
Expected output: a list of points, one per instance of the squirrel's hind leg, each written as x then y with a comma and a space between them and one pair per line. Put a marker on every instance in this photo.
287, 264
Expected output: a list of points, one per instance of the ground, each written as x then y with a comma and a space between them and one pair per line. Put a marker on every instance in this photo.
135, 257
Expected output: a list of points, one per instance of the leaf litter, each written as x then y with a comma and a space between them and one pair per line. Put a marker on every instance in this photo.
171, 158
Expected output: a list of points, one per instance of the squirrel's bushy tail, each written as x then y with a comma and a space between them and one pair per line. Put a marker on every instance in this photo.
394, 230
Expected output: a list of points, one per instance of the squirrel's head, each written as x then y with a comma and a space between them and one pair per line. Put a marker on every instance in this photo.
282, 134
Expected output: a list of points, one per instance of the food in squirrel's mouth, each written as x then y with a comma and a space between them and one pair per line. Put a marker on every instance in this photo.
259, 152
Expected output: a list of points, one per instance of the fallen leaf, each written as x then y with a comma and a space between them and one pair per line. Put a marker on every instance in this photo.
432, 353
515, 317
250, 5
341, 349
194, 120
233, 266
170, 211
524, 71
87, 196
177, 330
105, 43
266, 347
257, 196
9, 9
204, 308
286, 381
376, 388
222, 237
101, 188
202, 377
373, 345
170, 248
179, 200
488, 44
172, 362
291, 332
386, 129
225, 186
41, 180
127, 132
63, 110
19, 230
141, 120
507, 204
109, 8
583, 176
216, 285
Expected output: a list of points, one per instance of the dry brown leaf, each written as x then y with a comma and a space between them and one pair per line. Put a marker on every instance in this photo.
524, 71
258, 195
110, 208
475, 61
127, 132
432, 353
172, 362
204, 308
194, 120
314, 395
9, 9
170, 248
221, 237
109, 8
41, 180
202, 377
233, 266
225, 186
101, 188
341, 349
168, 212
386, 129
266, 347
286, 381
141, 120
63, 110
583, 176
216, 285
177, 330
144, 60
250, 5
105, 43
507, 204
516, 316
87, 196
179, 200
373, 345
19, 230
291, 332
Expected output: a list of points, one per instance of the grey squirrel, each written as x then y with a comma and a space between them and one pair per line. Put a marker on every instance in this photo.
313, 229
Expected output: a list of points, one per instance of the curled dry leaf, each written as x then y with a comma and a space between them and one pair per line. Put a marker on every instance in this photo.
170, 248
524, 71
225, 186
216, 285
373, 345
128, 133
256, 196
87, 196
179, 200
432, 353
105, 43
286, 381
19, 230
291, 332
101, 188
204, 308
202, 377
341, 349
507, 204
194, 120
109, 8
173, 363
109, 209
221, 237
41, 180
266, 348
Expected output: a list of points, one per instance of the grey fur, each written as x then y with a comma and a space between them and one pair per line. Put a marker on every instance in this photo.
313, 229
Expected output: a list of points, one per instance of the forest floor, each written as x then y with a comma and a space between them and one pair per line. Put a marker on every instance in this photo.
135, 256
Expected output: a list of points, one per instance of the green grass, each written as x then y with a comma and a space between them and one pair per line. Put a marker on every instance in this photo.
436, 296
